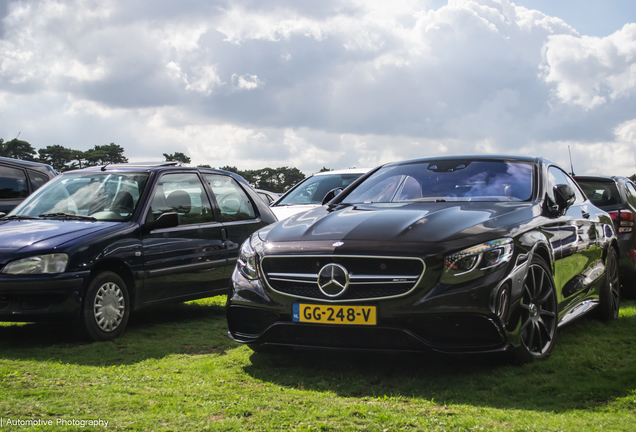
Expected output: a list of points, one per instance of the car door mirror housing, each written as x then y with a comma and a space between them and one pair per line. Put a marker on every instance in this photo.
166, 220
331, 195
564, 196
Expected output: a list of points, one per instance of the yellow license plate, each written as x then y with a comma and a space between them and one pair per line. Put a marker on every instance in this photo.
327, 314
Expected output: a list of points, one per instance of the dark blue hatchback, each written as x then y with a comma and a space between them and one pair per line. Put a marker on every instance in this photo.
98, 243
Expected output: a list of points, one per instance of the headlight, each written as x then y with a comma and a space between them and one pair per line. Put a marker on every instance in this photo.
248, 258
476, 261
40, 264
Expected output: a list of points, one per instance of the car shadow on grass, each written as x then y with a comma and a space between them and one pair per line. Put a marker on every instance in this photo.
592, 364
186, 328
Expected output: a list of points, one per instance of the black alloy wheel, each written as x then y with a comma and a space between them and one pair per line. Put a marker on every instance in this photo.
610, 294
106, 307
538, 310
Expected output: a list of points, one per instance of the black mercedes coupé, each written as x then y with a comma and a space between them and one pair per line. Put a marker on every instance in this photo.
465, 254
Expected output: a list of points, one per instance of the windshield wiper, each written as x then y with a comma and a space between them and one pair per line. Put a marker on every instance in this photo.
67, 216
13, 217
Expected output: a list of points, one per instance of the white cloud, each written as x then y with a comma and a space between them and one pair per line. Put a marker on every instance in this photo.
246, 81
334, 83
591, 71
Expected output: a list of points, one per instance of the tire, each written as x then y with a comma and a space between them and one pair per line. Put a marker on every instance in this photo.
539, 314
610, 293
106, 307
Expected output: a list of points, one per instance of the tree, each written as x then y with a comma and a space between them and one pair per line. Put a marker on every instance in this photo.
324, 169
272, 179
105, 154
177, 157
17, 149
632, 177
61, 158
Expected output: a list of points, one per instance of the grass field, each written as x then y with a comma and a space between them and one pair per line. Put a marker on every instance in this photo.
174, 369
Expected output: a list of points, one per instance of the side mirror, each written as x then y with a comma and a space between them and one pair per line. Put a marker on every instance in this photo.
331, 195
166, 220
564, 196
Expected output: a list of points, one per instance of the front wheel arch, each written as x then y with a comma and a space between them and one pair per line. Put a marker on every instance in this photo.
106, 307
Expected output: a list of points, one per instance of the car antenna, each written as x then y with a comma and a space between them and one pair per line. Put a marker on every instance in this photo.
571, 166
104, 166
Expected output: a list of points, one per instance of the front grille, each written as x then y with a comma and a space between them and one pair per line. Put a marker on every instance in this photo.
370, 277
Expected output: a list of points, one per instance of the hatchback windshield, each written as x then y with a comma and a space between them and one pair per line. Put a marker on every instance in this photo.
314, 189
447, 180
89, 195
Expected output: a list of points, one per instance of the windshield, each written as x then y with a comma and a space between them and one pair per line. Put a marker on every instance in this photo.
446, 180
313, 189
98, 196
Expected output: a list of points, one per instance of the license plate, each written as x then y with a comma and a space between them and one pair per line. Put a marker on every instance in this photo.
327, 314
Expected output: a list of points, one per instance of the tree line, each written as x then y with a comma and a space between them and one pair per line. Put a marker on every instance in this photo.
62, 158
65, 159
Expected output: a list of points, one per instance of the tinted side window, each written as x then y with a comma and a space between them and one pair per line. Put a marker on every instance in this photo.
601, 193
13, 183
182, 193
556, 176
631, 194
37, 179
234, 203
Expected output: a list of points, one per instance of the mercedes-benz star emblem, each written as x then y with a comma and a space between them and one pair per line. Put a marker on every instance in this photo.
333, 280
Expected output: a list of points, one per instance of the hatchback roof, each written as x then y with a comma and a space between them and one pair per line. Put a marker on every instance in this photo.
37, 166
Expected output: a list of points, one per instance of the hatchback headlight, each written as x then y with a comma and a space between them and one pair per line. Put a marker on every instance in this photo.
39, 264
248, 258
476, 261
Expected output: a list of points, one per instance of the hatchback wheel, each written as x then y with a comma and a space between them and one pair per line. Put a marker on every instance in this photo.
106, 307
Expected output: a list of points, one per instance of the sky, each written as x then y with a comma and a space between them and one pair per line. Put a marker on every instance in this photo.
330, 83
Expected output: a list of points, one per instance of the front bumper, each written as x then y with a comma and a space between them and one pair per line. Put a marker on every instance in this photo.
41, 297
457, 319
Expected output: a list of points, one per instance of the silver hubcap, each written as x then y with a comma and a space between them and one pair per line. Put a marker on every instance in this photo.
109, 307
538, 317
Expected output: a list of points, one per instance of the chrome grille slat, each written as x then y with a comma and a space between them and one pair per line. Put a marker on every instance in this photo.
370, 277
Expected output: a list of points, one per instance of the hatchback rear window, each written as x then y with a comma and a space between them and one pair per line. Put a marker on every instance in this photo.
600, 193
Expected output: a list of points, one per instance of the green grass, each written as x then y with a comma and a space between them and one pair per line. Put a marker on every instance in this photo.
174, 369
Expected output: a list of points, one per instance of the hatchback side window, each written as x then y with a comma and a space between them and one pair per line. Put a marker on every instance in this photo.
631, 194
182, 193
37, 179
234, 203
13, 183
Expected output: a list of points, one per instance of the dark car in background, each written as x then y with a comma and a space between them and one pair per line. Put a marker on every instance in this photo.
19, 178
98, 243
466, 254
617, 196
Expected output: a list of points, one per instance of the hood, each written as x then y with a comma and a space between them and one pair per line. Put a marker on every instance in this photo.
285, 211
24, 235
400, 222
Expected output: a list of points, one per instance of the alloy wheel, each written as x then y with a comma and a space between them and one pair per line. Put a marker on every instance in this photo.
538, 312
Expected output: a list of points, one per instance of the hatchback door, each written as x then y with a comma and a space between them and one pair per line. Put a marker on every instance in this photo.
188, 260
237, 211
